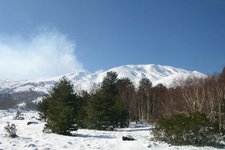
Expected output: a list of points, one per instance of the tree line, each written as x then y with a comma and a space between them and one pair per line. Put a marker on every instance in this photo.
148, 103
118, 101
64, 110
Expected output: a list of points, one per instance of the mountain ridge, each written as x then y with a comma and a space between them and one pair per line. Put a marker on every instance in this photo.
167, 75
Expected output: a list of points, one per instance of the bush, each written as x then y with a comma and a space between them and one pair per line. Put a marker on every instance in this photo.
19, 116
11, 130
188, 129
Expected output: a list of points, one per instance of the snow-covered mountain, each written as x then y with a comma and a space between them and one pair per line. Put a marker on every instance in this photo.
166, 75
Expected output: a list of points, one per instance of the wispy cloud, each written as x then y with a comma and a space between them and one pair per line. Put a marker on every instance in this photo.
42, 54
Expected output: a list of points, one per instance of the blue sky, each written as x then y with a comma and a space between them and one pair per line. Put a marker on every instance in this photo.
108, 33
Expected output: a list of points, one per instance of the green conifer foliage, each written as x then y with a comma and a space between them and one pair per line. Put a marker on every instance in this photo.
188, 129
59, 108
105, 110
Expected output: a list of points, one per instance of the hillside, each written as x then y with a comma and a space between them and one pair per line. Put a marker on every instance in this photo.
166, 75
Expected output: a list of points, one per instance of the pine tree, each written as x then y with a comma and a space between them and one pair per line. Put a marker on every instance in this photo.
105, 108
59, 108
43, 107
98, 110
121, 114
82, 114
109, 83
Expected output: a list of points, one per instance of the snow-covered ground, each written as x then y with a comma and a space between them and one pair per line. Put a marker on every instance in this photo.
31, 137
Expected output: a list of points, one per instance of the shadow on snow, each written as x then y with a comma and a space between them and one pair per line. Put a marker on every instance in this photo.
93, 136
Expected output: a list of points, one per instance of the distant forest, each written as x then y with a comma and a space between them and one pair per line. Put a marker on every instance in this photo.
148, 103
11, 100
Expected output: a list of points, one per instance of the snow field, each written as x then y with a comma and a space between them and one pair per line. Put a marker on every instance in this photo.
31, 137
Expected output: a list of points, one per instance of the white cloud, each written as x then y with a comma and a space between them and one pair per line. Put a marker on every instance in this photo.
43, 54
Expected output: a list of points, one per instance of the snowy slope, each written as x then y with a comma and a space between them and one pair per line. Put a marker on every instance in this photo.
166, 75
31, 137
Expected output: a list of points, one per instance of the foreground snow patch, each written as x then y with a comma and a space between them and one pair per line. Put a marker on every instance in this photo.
31, 137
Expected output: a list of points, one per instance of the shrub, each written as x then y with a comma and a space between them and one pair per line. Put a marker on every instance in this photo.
11, 130
19, 116
188, 129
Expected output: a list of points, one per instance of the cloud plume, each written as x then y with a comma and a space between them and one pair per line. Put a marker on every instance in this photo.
40, 55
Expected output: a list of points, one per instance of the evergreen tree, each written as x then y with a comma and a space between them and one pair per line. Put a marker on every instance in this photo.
99, 111
121, 114
105, 108
43, 107
82, 114
109, 83
59, 108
